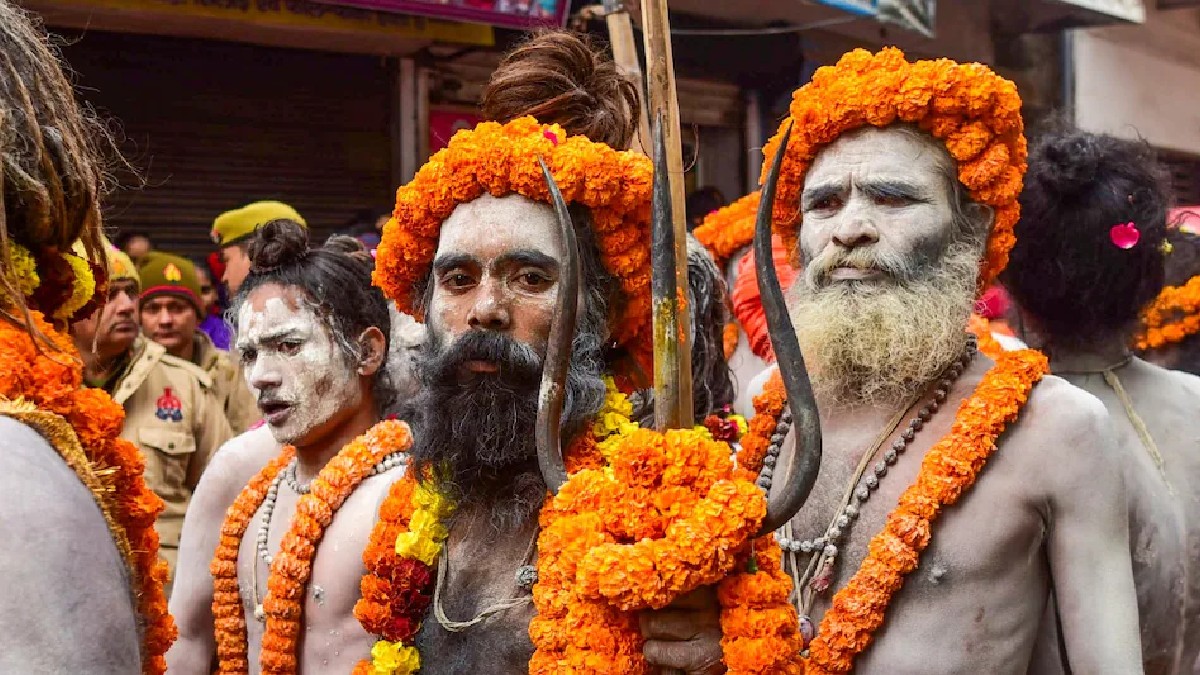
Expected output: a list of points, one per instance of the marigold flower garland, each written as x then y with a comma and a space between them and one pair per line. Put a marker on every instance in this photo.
973, 111
400, 560
292, 567
948, 470
1174, 315
645, 517
502, 159
44, 388
667, 513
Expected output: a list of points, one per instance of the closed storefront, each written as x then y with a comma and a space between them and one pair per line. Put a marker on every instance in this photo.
212, 125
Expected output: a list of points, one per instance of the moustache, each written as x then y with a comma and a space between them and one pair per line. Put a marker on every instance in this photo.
818, 271
520, 366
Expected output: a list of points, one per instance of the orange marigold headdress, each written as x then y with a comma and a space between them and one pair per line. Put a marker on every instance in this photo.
729, 229
972, 110
502, 159
1173, 316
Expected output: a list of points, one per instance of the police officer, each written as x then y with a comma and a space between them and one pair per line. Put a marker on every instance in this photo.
232, 231
171, 412
170, 309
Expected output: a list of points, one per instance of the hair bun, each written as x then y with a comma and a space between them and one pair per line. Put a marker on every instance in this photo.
1067, 164
278, 243
560, 77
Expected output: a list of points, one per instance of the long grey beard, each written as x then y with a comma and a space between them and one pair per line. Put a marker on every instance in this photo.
874, 343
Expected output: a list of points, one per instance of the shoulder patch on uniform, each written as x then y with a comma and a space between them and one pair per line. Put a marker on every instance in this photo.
199, 373
168, 407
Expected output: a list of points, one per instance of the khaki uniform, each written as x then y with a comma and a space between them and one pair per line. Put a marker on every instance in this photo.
235, 397
173, 416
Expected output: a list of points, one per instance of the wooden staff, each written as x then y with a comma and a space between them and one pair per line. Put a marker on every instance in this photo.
624, 49
672, 364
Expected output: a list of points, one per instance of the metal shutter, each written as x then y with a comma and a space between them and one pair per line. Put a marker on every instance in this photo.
213, 125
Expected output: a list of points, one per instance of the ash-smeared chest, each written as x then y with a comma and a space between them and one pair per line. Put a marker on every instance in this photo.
481, 575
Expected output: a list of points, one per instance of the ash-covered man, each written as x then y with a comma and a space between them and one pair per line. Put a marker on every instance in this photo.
957, 495
170, 308
479, 254
1089, 257
315, 362
83, 584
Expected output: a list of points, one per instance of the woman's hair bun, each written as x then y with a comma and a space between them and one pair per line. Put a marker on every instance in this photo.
276, 244
560, 77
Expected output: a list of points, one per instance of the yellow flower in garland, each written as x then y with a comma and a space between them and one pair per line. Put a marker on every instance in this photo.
426, 530
23, 274
83, 287
394, 658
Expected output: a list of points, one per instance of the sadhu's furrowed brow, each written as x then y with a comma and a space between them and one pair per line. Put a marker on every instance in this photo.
518, 258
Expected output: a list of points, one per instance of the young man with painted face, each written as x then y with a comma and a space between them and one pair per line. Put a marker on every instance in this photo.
315, 361
1089, 257
170, 308
172, 412
957, 496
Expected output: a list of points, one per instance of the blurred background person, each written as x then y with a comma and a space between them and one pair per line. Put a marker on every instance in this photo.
213, 322
233, 230
170, 308
171, 411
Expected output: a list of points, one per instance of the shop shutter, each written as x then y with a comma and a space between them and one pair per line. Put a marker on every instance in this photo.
213, 125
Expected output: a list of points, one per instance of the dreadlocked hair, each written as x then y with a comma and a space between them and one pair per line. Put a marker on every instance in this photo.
51, 153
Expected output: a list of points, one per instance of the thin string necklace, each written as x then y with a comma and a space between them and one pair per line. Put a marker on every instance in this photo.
525, 581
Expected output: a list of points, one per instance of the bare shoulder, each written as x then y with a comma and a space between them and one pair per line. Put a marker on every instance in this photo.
60, 567
235, 464
1187, 383
1063, 439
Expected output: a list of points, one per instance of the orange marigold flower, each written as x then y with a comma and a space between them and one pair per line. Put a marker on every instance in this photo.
1174, 315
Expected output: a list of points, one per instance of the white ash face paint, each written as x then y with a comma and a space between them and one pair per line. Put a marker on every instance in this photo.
484, 233
292, 363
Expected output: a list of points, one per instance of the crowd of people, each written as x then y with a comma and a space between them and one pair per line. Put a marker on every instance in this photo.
962, 441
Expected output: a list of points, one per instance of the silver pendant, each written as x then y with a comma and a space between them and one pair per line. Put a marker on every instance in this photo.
527, 577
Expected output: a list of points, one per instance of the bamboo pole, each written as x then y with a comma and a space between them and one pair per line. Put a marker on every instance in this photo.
625, 54
662, 101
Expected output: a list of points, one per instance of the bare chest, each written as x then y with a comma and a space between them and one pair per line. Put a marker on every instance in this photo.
480, 619
979, 587
331, 639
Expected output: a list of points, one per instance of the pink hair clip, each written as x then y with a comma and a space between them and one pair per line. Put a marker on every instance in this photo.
1125, 236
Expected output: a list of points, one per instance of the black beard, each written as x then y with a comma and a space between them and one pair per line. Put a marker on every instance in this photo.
474, 432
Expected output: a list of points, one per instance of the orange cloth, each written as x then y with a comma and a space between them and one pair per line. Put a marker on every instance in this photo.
747, 303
